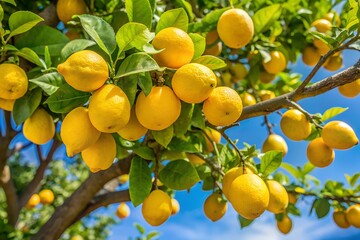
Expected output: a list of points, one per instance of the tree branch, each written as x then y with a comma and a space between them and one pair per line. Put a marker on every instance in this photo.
66, 214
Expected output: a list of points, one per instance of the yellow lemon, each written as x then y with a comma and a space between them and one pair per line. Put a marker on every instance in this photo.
175, 206
223, 107
122, 211
33, 201
320, 154
249, 196
109, 109
333, 17
333, 63
65, 9
214, 135
322, 25
235, 28
101, 154
266, 77
13, 81
278, 197
213, 46
77, 132
156, 208
321, 47
239, 70
310, 56
295, 125
84, 70
284, 225
266, 95
133, 130
292, 198
124, 178
178, 47
193, 82
39, 128
46, 196
275, 142
194, 159
353, 215
7, 104
339, 218
158, 110
276, 64
225, 79
214, 207
247, 99
230, 176
339, 135
349, 90
77, 237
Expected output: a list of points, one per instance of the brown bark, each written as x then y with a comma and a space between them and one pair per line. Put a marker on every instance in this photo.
7, 184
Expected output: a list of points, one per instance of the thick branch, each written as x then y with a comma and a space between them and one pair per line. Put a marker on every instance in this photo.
49, 15
66, 214
7, 184
262, 108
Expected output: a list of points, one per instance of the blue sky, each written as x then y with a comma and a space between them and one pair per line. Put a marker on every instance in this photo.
190, 222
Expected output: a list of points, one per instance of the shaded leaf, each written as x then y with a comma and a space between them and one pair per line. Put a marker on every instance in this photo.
164, 136
137, 63
23, 21
26, 105
49, 82
265, 17
139, 180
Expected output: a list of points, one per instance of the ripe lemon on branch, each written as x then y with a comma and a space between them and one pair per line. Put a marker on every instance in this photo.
157, 208
13, 82
39, 128
65, 9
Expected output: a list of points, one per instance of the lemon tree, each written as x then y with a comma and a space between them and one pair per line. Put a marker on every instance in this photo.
145, 95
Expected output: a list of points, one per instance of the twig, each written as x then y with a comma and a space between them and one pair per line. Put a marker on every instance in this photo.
241, 156
268, 125
309, 116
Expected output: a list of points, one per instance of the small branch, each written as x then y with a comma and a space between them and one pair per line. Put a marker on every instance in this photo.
212, 164
241, 156
268, 125
309, 116
346, 199
7, 184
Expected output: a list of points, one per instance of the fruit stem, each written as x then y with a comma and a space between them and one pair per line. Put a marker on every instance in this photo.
309, 116
241, 156
212, 164
268, 125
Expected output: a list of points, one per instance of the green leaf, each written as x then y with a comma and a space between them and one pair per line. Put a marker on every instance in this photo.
139, 228
9, 1
139, 11
270, 161
66, 99
199, 44
187, 7
265, 17
183, 122
47, 57
39, 37
211, 62
197, 117
208, 23
49, 82
180, 145
137, 63
353, 179
75, 46
332, 112
308, 167
163, 137
139, 180
1, 14
325, 38
244, 222
173, 18
100, 31
322, 207
30, 55
129, 86
179, 175
26, 105
22, 21
145, 82
133, 35
145, 153
291, 169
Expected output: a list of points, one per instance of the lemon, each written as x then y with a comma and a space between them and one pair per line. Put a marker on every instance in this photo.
239, 70
249, 196
276, 64
266, 77
295, 125
333, 17
194, 159
349, 90
77, 132
275, 142
175, 206
84, 70
339, 218
7, 104
213, 46
124, 178
310, 56
225, 79
214, 135
292, 198
33, 201
284, 225
72, 34
223, 107
156, 208
133, 130
13, 81
322, 25
158, 110
77, 237
65, 9
278, 197
178, 47
214, 207
319, 154
353, 215
46, 196
333, 63
339, 135
247, 99
230, 176
122, 211
321, 47
39, 128
193, 82
109, 109
235, 28
101, 154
